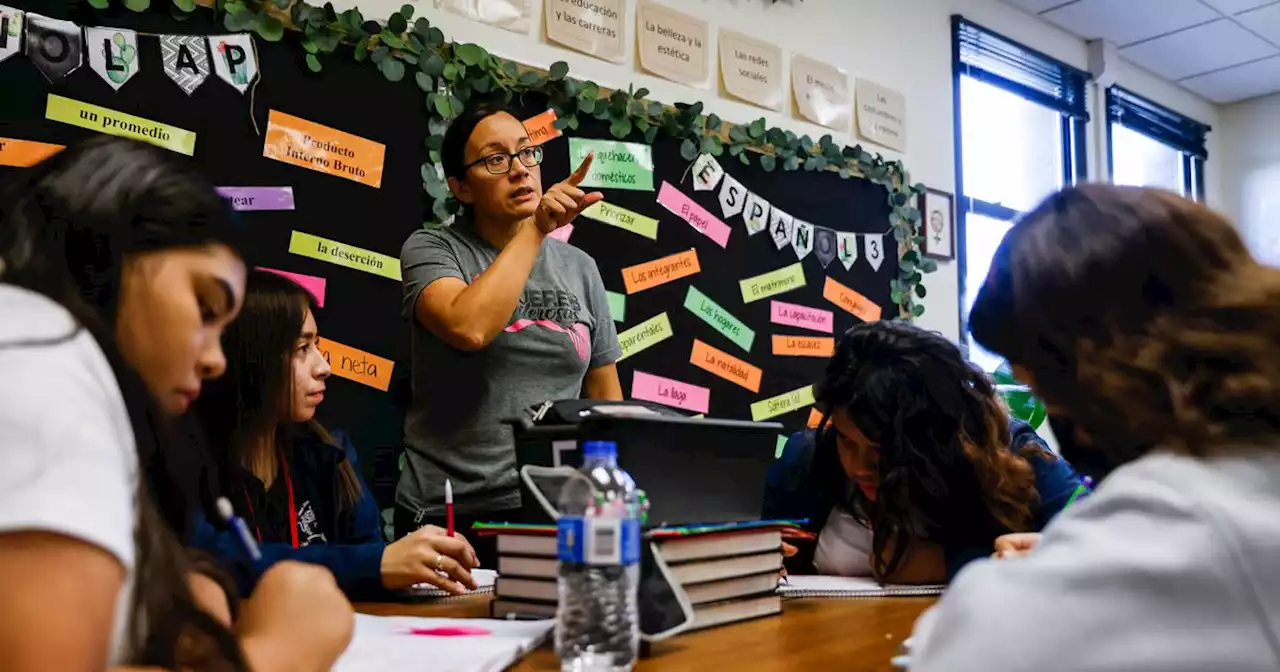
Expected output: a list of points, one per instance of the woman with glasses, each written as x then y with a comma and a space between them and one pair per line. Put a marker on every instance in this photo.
502, 318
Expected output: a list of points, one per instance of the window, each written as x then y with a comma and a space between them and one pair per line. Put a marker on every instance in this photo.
1020, 133
1153, 146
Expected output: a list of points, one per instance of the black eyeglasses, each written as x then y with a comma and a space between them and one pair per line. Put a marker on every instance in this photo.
500, 163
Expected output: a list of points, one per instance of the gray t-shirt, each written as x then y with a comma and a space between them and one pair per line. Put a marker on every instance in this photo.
454, 428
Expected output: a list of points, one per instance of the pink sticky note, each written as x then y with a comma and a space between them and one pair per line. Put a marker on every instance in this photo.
311, 283
562, 234
697, 216
670, 392
792, 315
450, 631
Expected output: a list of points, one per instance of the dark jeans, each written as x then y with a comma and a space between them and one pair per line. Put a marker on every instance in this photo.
486, 547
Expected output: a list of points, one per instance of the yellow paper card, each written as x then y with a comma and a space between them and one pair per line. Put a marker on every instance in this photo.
645, 335
783, 403
111, 122
362, 367
342, 254
772, 283
623, 219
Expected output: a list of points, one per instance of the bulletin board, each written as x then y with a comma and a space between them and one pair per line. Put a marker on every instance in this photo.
363, 310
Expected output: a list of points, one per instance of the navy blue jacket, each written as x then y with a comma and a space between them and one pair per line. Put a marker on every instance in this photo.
349, 543
794, 491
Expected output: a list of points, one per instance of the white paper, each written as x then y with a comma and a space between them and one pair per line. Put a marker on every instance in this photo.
512, 15
847, 244
802, 238
873, 246
113, 54
11, 20
382, 643
706, 173
732, 196
780, 227
234, 59
756, 213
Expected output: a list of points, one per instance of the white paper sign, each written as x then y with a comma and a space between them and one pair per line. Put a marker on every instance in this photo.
732, 196
802, 238
113, 54
822, 92
10, 31
706, 173
752, 69
756, 214
512, 15
597, 27
234, 60
673, 45
780, 227
873, 245
882, 115
847, 244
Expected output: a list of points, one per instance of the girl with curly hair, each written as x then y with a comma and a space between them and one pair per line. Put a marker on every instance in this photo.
916, 469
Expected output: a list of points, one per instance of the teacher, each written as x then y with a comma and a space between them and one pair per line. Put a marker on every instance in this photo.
502, 318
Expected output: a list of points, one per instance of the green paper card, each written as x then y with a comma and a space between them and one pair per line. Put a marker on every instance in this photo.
720, 319
782, 444
342, 254
772, 283
783, 403
617, 165
623, 219
645, 335
617, 305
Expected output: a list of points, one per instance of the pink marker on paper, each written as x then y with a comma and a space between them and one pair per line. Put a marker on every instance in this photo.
697, 216
450, 631
311, 283
666, 391
792, 315
562, 234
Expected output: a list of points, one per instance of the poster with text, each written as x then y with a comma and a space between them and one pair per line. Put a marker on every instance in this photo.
513, 15
673, 45
822, 93
752, 69
597, 28
882, 115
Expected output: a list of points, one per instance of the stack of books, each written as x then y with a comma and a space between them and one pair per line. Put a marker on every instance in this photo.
526, 584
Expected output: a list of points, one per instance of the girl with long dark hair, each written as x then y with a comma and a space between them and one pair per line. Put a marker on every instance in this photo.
916, 469
300, 485
1141, 319
119, 269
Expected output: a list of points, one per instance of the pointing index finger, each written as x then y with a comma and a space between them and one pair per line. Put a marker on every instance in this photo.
583, 168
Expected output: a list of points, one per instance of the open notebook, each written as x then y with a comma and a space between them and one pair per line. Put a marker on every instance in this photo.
484, 584
384, 643
850, 587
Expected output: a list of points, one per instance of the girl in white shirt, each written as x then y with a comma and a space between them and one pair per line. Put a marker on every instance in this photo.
118, 272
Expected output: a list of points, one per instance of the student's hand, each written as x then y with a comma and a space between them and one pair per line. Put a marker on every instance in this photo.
787, 551
296, 619
1015, 545
415, 558
564, 200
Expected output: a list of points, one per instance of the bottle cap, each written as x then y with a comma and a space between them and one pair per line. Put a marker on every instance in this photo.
600, 449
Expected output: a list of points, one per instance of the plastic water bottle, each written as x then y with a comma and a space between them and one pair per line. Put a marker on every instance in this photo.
598, 544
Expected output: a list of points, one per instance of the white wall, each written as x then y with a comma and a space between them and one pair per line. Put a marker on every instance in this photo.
1251, 150
902, 44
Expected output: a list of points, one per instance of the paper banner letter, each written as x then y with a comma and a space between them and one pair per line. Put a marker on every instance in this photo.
803, 346
824, 245
720, 319
660, 271
113, 122
53, 46
113, 54
362, 367
234, 59
562, 233
802, 238
542, 127
617, 165
726, 366
11, 21
848, 245
22, 153
732, 196
623, 219
792, 315
756, 214
186, 60
313, 284
783, 403
873, 245
673, 393
772, 283
860, 306
780, 227
697, 216
617, 306
706, 173
645, 335
348, 256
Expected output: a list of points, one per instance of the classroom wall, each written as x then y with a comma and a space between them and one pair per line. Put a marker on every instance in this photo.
1251, 151
902, 44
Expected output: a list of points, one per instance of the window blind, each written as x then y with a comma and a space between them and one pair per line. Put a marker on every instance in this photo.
1155, 121
997, 60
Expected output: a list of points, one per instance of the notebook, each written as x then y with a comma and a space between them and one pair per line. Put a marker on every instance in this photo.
850, 587
485, 579
389, 643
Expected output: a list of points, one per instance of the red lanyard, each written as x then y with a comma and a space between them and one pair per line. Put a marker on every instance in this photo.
293, 511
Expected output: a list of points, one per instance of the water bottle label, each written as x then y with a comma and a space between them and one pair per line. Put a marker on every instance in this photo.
598, 541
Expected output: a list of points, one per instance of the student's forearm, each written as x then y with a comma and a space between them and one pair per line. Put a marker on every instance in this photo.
924, 562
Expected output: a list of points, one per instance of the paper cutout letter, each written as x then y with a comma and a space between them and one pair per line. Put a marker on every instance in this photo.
780, 227
756, 214
802, 238
848, 245
732, 196
660, 271
706, 173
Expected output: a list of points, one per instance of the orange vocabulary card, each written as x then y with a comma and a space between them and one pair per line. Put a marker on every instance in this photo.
815, 419
725, 365
358, 365
660, 271
310, 145
862, 307
804, 346
541, 127
15, 152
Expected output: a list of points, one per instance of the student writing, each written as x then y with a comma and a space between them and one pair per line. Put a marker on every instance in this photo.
298, 485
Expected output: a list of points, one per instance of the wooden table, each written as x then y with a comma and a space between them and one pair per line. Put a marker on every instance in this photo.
812, 634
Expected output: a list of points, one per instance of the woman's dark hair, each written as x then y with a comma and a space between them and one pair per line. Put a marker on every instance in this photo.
454, 151
1141, 317
66, 227
942, 437
251, 400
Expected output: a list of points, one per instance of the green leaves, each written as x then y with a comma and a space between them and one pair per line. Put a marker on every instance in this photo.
99, 4
768, 162
558, 71
137, 5
392, 68
688, 150
269, 28
432, 65
183, 5
313, 63
470, 54
424, 81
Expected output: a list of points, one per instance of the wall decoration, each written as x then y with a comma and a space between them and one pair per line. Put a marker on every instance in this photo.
512, 15
726, 366
853, 302
772, 283
542, 127
258, 198
824, 244
755, 214
706, 173
357, 365
719, 318
882, 115
783, 403
939, 228
645, 335
673, 45
18, 152
55, 47
873, 249
616, 165
11, 22
792, 315
342, 254
847, 244
597, 28
752, 69
802, 238
186, 60
673, 393
304, 143
680, 205
235, 60
113, 54
780, 227
623, 219
660, 271
822, 92
313, 284
113, 122
803, 346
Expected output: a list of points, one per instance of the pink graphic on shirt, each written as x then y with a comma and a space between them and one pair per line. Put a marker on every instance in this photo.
579, 335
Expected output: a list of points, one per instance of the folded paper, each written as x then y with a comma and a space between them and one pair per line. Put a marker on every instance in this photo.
186, 60
617, 165
112, 122
725, 365
660, 271
720, 319
793, 315
680, 205
258, 198
772, 283
357, 365
853, 302
313, 284
623, 219
803, 346
783, 403
645, 335
299, 142
669, 392
349, 256
22, 153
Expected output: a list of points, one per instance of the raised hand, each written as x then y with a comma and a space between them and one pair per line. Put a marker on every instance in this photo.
564, 200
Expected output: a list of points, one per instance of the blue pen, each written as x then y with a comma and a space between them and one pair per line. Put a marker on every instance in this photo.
247, 544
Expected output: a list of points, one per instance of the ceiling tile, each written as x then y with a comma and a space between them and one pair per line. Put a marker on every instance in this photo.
1037, 6
1235, 84
1264, 21
1130, 21
1237, 6
1199, 50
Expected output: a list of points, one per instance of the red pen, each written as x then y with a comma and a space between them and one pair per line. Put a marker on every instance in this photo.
448, 506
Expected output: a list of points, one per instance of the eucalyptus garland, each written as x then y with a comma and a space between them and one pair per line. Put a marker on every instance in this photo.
450, 74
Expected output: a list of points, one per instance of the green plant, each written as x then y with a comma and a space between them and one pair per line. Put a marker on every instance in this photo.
450, 74
1023, 404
